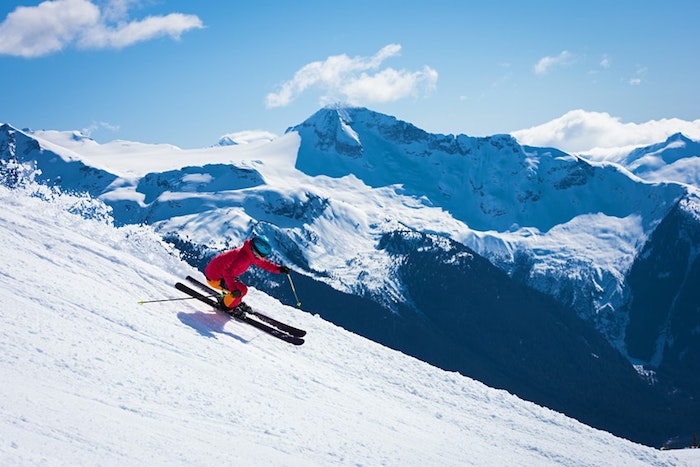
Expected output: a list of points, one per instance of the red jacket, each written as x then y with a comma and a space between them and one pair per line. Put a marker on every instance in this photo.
231, 264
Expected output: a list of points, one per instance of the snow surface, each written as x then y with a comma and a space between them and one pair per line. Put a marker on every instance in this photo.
90, 377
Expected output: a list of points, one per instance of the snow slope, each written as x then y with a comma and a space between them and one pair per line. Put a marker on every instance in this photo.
90, 377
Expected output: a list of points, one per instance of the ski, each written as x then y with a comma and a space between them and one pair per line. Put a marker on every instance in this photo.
261, 316
279, 325
278, 333
199, 296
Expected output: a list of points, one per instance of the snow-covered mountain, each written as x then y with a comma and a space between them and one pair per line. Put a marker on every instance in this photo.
388, 225
676, 159
89, 377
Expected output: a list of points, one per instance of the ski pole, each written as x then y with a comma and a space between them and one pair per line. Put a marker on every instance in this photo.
141, 302
294, 290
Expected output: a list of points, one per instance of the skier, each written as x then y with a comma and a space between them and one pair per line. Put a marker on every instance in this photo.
223, 270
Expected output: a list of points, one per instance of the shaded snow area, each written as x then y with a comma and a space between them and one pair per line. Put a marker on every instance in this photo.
90, 377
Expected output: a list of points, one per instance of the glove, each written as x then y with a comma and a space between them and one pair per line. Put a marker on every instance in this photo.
284, 270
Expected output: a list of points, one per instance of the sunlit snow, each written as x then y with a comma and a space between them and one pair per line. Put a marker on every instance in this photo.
90, 377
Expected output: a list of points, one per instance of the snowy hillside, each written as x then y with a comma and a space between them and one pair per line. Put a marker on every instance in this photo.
390, 228
91, 377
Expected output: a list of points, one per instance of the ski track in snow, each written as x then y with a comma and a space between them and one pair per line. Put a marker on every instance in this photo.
89, 377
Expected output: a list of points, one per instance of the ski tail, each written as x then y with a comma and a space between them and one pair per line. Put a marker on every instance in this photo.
195, 294
202, 286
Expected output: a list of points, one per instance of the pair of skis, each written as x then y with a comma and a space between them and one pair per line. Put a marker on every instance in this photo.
254, 318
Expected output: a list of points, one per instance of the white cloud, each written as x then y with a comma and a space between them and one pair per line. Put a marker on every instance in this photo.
636, 80
95, 126
547, 63
347, 79
124, 35
116, 10
602, 136
46, 28
605, 62
389, 85
54, 25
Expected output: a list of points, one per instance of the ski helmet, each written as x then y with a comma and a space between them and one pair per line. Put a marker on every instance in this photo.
261, 245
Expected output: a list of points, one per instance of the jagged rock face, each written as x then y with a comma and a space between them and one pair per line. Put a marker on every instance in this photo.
490, 183
664, 312
494, 184
511, 336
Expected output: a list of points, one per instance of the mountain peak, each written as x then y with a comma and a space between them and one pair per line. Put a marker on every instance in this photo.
331, 129
464, 175
679, 137
350, 119
670, 159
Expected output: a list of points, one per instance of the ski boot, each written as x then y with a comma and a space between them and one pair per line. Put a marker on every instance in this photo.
226, 299
240, 310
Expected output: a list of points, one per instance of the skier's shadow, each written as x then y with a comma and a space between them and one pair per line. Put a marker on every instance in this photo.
208, 324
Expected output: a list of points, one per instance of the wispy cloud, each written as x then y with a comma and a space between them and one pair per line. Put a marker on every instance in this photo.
636, 80
54, 25
95, 126
357, 80
547, 63
115, 10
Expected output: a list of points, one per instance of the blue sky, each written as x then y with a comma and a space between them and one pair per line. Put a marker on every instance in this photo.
188, 72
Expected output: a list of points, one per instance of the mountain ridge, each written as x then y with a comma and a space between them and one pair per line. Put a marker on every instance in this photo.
452, 171
330, 224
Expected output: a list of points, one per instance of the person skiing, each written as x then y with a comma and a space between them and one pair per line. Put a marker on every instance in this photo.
224, 269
